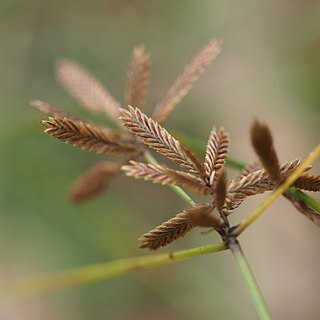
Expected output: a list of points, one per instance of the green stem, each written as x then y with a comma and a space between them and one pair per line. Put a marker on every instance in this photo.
250, 281
97, 272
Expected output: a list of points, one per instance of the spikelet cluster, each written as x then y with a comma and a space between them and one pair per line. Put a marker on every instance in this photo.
94, 97
208, 178
202, 176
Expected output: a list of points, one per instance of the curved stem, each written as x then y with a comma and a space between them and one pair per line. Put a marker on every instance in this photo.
250, 281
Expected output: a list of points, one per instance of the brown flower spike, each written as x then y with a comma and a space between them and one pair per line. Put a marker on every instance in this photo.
205, 177
262, 142
225, 196
93, 96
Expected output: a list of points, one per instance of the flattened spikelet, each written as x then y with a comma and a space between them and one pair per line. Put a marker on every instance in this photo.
220, 191
308, 182
216, 154
165, 176
254, 183
196, 161
200, 216
87, 136
311, 214
262, 142
167, 232
138, 75
185, 80
51, 110
155, 136
86, 89
148, 172
189, 181
308, 212
251, 167
93, 182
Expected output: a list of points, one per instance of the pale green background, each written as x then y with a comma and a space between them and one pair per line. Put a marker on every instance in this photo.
269, 68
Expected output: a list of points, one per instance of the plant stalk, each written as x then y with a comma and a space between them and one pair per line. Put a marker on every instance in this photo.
250, 280
234, 245
97, 272
103, 271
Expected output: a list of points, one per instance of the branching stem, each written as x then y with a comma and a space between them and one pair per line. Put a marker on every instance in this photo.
234, 245
103, 271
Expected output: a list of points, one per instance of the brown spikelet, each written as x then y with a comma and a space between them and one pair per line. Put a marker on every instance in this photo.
308, 182
167, 232
165, 176
93, 182
86, 89
148, 172
51, 110
190, 181
196, 161
200, 216
155, 136
251, 167
216, 154
220, 191
185, 80
304, 209
87, 136
262, 142
137, 76
254, 183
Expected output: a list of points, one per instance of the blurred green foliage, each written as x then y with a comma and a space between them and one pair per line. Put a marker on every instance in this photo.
271, 54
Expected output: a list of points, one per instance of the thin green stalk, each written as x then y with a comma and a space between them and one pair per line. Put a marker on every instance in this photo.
250, 281
97, 272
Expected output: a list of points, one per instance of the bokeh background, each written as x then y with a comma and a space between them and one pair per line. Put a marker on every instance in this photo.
269, 69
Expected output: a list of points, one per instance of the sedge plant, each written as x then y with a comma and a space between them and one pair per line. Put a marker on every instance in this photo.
135, 135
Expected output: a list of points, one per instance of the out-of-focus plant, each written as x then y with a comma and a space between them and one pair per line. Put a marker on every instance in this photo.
92, 95
136, 133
